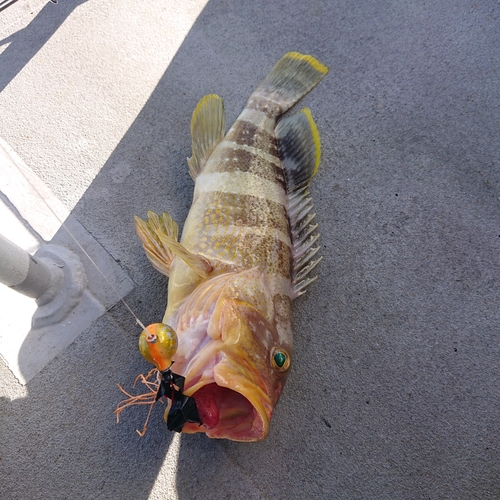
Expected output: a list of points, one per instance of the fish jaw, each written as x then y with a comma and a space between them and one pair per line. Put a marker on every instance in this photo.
231, 377
232, 404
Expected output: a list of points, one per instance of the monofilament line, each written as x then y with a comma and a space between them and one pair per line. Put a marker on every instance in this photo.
138, 321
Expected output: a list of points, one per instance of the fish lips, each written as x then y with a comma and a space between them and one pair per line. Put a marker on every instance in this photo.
232, 399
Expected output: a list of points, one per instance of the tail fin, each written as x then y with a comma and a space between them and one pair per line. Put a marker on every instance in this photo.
293, 76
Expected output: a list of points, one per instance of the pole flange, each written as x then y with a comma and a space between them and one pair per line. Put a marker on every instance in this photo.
68, 284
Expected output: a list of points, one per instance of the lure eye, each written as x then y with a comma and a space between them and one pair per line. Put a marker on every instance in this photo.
158, 344
280, 359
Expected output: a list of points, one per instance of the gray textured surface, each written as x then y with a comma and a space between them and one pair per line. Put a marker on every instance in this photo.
395, 386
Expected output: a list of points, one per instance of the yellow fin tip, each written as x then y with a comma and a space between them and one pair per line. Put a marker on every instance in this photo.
200, 105
315, 134
323, 69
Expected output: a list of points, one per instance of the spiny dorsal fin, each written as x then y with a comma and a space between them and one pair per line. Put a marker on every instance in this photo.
159, 255
304, 236
159, 239
208, 125
300, 151
291, 78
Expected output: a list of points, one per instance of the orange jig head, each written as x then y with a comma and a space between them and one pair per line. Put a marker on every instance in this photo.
158, 344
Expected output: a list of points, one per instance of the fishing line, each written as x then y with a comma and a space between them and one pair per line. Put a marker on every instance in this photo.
138, 321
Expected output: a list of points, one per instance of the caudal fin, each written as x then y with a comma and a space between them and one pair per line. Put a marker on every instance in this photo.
293, 76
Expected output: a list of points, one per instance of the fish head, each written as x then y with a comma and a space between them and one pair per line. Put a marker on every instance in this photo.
234, 367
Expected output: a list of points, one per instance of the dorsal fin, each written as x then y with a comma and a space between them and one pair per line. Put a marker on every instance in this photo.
300, 152
208, 126
299, 148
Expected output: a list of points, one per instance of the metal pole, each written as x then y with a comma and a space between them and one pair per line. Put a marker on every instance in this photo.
21, 272
6, 3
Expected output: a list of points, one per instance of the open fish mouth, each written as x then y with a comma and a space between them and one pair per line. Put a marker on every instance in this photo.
225, 413
224, 405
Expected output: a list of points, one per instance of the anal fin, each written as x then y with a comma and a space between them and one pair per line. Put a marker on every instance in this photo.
208, 125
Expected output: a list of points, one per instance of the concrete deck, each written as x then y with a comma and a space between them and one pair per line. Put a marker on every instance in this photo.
394, 392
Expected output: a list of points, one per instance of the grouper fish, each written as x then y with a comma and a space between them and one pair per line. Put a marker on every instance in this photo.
224, 348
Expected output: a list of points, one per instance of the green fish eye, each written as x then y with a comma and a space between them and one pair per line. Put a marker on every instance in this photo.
280, 360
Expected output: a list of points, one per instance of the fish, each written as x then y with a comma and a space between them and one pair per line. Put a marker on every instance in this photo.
223, 350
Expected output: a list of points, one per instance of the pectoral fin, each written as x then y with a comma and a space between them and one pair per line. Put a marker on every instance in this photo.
149, 232
196, 262
208, 125
159, 239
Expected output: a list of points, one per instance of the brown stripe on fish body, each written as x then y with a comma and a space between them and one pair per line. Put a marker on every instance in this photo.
229, 209
236, 216
254, 127
248, 133
246, 249
233, 159
266, 106
270, 252
249, 146
282, 307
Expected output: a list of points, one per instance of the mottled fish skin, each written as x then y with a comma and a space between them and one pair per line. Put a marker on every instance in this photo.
239, 212
245, 252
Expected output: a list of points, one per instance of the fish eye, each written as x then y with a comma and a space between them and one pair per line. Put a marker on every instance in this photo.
280, 359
